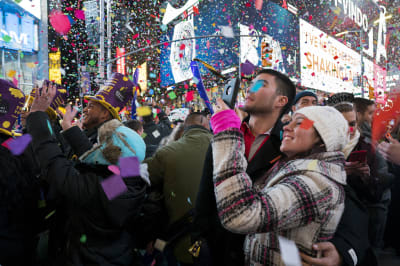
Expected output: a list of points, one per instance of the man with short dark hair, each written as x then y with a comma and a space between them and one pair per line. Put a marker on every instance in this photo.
304, 99
153, 134
135, 125
267, 99
101, 108
365, 112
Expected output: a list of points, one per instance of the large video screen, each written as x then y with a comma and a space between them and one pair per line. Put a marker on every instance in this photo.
214, 27
277, 27
329, 65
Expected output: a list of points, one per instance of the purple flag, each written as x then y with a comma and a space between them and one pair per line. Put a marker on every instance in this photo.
129, 166
113, 186
17, 146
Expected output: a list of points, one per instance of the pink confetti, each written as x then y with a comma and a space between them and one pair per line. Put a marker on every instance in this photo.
60, 22
264, 29
259, 4
114, 169
80, 14
15, 81
135, 36
189, 96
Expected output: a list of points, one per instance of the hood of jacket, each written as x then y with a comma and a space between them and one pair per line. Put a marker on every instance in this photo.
327, 164
114, 140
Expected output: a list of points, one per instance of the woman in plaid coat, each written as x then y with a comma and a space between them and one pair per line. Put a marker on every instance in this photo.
300, 198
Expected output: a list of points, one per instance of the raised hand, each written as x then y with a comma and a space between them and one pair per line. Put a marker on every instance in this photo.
44, 97
68, 117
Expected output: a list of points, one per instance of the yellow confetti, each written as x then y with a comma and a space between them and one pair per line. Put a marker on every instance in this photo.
11, 73
31, 65
61, 109
283, 48
337, 11
143, 111
49, 215
162, 10
312, 165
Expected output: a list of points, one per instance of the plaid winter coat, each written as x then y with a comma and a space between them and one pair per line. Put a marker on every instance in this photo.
302, 199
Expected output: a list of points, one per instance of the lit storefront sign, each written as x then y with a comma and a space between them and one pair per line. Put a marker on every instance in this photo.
380, 90
18, 32
142, 76
55, 67
121, 61
326, 64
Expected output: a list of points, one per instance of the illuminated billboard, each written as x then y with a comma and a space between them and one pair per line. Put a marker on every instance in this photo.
326, 64
218, 44
18, 32
55, 67
32, 6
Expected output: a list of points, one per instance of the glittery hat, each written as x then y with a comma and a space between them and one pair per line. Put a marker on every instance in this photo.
118, 91
11, 103
59, 99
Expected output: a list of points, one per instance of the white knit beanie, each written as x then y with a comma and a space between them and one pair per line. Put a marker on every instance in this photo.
330, 124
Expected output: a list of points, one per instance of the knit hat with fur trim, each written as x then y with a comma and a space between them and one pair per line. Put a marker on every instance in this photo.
330, 124
114, 141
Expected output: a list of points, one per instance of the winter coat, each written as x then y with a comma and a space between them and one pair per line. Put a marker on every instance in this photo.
79, 140
302, 199
225, 247
95, 228
371, 190
19, 217
153, 134
177, 168
351, 237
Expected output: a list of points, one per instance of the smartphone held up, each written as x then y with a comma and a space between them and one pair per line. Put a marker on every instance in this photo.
230, 93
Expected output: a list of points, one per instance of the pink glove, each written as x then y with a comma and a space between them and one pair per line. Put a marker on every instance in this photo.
224, 120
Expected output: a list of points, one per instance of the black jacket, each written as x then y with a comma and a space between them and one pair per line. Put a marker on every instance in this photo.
153, 134
227, 248
351, 237
95, 229
19, 217
80, 141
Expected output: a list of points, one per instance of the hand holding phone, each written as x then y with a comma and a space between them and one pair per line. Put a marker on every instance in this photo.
358, 156
230, 92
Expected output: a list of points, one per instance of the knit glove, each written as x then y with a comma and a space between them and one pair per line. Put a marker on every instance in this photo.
224, 120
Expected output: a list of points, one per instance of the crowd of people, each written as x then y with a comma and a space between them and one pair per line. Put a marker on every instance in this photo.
204, 191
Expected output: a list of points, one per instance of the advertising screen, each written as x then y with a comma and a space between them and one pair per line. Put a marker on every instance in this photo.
327, 64
206, 44
216, 29
32, 6
277, 27
17, 32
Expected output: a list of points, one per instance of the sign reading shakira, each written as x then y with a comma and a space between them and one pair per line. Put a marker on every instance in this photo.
326, 64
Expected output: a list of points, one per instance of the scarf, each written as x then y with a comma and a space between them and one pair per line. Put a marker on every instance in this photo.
351, 144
